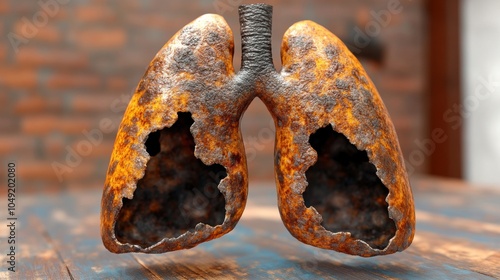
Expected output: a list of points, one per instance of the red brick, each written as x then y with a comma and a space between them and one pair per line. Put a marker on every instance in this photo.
62, 14
92, 103
29, 9
3, 52
74, 125
4, 7
35, 170
103, 2
102, 150
96, 184
150, 20
8, 124
56, 58
83, 171
404, 85
41, 125
134, 60
116, 83
23, 8
31, 104
131, 4
40, 170
403, 122
14, 144
116, 119
65, 80
47, 33
18, 76
4, 98
54, 145
37, 104
95, 13
38, 125
99, 38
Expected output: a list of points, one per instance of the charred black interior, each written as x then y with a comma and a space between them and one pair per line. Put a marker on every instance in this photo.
177, 191
345, 190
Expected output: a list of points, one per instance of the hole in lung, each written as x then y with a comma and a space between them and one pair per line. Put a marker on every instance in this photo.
345, 190
153, 143
177, 191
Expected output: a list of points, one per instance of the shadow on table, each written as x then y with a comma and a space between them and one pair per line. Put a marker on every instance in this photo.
301, 269
198, 269
362, 270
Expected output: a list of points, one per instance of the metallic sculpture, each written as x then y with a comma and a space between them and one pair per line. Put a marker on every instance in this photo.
178, 175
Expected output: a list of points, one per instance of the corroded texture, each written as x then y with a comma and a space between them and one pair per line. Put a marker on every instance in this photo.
192, 73
169, 201
324, 84
344, 188
336, 148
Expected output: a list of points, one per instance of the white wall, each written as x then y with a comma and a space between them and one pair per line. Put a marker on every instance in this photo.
481, 90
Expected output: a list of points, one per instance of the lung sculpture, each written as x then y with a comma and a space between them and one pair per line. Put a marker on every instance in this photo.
178, 175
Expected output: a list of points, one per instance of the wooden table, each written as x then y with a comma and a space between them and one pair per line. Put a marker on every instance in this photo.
458, 237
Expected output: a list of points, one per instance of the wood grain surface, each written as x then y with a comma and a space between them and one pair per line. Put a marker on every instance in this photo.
457, 237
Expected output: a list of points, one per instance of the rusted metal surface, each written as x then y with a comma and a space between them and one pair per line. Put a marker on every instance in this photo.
192, 73
340, 175
324, 84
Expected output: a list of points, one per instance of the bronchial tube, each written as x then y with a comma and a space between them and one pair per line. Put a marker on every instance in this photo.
256, 27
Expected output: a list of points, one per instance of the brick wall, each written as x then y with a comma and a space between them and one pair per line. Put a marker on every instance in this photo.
72, 65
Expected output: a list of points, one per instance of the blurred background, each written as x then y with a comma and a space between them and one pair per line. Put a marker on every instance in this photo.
68, 68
